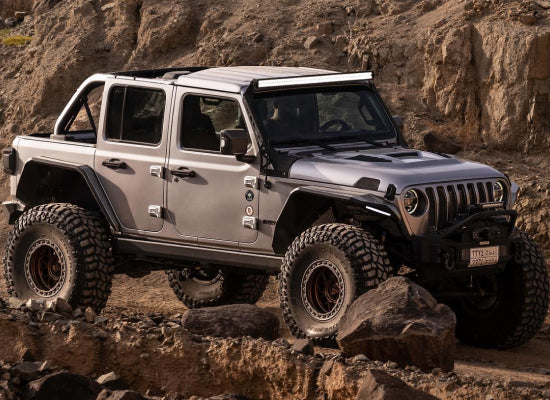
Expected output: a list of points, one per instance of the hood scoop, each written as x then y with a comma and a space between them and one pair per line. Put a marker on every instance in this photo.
404, 154
366, 158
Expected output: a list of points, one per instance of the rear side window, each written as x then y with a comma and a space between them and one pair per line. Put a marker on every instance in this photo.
135, 115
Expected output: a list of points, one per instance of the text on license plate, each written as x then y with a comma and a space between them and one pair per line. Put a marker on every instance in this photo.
483, 256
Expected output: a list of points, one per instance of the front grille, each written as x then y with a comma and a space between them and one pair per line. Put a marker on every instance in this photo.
446, 202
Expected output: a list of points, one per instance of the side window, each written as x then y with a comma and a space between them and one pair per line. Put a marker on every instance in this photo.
135, 115
204, 118
87, 117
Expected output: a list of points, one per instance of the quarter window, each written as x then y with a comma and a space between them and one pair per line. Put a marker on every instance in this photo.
204, 118
135, 115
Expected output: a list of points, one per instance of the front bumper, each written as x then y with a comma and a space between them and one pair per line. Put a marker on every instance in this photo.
446, 253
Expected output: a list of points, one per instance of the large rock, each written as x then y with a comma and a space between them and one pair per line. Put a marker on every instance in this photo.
232, 321
379, 385
107, 394
62, 386
400, 321
113, 381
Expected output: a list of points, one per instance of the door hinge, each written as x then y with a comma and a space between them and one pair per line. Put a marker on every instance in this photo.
251, 182
250, 223
156, 170
155, 211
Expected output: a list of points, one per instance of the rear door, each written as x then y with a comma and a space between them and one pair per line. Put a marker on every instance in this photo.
131, 152
208, 195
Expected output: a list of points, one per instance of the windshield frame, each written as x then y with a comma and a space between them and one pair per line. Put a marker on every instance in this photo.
391, 136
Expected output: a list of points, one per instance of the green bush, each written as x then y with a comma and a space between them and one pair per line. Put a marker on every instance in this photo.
16, 40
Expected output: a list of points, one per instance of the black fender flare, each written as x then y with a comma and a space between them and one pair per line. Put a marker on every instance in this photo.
86, 173
324, 197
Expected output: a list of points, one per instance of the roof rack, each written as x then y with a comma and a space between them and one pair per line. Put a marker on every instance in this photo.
158, 73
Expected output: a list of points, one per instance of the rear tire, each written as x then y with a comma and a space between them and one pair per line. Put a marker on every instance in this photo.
324, 270
59, 250
517, 311
202, 288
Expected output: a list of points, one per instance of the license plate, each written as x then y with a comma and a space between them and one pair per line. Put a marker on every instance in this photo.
483, 256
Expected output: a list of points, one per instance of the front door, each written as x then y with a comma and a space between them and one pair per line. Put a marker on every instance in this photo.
207, 194
131, 153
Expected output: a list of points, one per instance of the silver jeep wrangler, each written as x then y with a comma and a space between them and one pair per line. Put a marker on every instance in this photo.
224, 176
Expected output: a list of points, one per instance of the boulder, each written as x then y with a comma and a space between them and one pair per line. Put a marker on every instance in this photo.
437, 144
379, 385
90, 315
400, 321
15, 302
10, 22
61, 305
232, 321
304, 346
29, 370
311, 42
107, 394
112, 381
62, 386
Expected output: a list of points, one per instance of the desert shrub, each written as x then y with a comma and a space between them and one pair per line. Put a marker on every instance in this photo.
16, 40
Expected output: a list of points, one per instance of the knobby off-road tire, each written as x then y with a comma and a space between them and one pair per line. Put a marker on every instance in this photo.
519, 308
324, 270
59, 250
221, 288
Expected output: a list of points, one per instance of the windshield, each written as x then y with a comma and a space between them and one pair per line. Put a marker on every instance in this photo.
321, 115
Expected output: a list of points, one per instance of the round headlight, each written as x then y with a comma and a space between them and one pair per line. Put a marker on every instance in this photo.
411, 201
498, 191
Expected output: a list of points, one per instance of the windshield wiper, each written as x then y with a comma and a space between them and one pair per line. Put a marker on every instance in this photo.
367, 141
307, 142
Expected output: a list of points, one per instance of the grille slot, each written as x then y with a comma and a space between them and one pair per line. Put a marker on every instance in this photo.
447, 202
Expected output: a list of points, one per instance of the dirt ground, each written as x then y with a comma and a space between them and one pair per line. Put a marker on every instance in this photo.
528, 363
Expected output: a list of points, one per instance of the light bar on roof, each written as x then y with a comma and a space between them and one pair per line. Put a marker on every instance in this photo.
311, 80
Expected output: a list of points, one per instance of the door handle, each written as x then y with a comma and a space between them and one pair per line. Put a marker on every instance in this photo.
183, 172
114, 163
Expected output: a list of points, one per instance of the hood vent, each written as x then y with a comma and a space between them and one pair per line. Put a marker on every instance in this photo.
403, 155
365, 158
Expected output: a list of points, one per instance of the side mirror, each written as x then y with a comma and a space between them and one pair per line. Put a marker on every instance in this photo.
399, 122
234, 142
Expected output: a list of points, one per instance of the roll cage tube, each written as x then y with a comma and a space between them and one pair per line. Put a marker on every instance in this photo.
80, 98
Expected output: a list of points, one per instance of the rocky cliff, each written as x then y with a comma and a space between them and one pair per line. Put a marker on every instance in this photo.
474, 71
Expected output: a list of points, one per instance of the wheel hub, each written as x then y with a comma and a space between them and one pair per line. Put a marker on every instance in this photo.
202, 276
322, 290
45, 269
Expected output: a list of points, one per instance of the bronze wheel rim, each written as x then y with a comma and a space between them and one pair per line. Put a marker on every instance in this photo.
45, 268
322, 290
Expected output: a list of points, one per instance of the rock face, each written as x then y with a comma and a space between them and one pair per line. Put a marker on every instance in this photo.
379, 385
400, 321
232, 321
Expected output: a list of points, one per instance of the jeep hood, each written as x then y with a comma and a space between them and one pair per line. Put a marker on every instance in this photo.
397, 166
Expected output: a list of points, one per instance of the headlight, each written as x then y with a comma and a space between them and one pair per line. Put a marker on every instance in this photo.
498, 191
411, 201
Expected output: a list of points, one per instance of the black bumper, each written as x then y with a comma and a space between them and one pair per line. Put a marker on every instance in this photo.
446, 253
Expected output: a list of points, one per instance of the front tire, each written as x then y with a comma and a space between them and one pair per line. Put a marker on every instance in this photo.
520, 304
59, 250
324, 270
